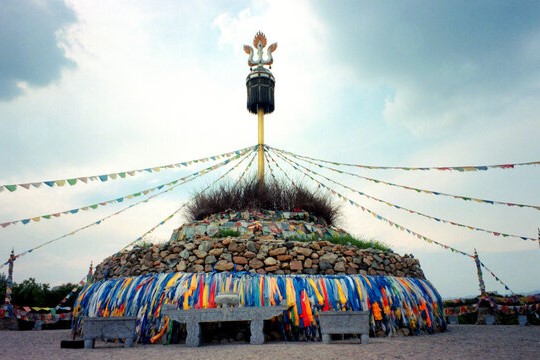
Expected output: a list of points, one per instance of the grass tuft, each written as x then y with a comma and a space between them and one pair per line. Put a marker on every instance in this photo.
349, 240
272, 196
227, 233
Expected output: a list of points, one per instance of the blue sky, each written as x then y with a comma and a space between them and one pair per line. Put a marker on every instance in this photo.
95, 87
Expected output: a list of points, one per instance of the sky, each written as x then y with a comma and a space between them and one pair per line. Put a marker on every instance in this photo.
99, 87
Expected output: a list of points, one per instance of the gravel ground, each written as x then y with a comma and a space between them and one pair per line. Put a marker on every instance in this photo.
460, 342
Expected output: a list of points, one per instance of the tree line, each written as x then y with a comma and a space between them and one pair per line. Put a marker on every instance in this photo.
30, 293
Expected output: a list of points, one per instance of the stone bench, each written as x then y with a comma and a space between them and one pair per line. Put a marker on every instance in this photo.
108, 328
194, 317
344, 322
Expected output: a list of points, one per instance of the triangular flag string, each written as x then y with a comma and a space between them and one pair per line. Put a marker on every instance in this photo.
122, 174
441, 168
496, 277
494, 233
379, 217
185, 204
122, 210
116, 200
437, 193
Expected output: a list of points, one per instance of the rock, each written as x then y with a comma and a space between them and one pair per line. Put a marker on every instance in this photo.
284, 257
189, 246
205, 246
249, 255
240, 260
226, 256
329, 257
325, 265
250, 245
200, 253
216, 251
339, 267
256, 264
295, 265
181, 266
223, 265
304, 251
210, 259
184, 254
277, 251
270, 269
170, 257
196, 268
236, 247
308, 263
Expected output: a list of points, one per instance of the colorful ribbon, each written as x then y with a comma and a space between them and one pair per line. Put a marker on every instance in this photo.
404, 302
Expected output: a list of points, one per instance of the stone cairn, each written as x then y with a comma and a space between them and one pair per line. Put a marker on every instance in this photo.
265, 242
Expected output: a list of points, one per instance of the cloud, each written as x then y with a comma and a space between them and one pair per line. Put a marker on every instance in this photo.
31, 52
447, 63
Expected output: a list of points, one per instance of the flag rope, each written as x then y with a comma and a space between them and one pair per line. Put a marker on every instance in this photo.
102, 203
117, 175
185, 204
470, 227
437, 193
402, 228
442, 168
379, 217
200, 173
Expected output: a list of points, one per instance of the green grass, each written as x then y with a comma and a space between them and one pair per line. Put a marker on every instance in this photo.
144, 244
226, 233
349, 240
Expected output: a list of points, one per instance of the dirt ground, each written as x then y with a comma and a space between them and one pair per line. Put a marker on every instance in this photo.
460, 342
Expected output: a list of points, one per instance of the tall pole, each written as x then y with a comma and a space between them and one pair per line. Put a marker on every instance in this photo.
260, 172
9, 284
260, 90
479, 273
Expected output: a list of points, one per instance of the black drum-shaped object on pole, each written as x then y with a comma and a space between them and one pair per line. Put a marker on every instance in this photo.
260, 90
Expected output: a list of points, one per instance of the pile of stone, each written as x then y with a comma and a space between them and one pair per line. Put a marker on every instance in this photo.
265, 242
205, 254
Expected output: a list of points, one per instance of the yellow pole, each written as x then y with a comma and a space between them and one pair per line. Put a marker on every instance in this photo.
260, 172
